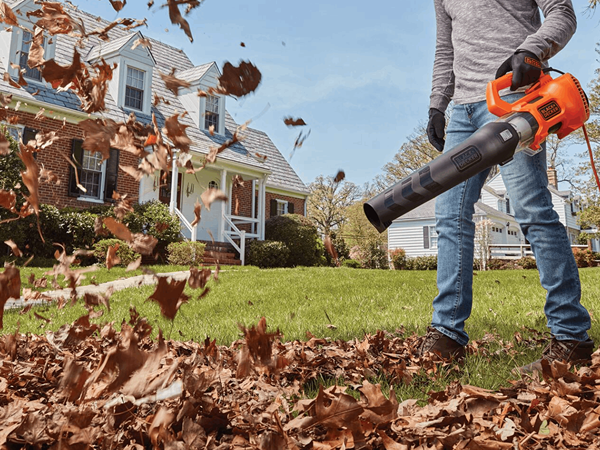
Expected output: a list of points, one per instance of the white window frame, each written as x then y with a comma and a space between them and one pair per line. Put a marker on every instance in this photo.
143, 90
84, 196
432, 237
210, 100
203, 108
282, 207
20, 129
20, 53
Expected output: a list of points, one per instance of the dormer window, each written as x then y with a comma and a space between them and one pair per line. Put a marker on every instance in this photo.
134, 89
211, 115
34, 73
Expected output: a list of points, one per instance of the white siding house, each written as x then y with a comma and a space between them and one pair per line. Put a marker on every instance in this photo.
415, 231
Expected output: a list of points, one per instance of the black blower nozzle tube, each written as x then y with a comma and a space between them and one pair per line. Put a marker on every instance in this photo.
494, 143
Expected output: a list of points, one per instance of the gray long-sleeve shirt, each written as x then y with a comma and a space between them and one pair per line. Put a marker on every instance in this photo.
474, 37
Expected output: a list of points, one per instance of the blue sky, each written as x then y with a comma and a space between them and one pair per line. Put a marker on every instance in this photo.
358, 73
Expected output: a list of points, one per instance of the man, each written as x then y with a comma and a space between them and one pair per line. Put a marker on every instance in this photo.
477, 41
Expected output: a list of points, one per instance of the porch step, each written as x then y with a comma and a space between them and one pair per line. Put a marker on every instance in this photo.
208, 261
220, 255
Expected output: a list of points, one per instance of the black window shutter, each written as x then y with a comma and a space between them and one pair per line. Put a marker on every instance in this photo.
273, 211
112, 173
290, 208
76, 157
425, 237
28, 134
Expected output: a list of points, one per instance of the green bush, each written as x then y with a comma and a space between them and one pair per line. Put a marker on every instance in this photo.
527, 262
186, 253
155, 219
341, 248
499, 264
267, 254
352, 263
398, 259
422, 263
300, 236
124, 252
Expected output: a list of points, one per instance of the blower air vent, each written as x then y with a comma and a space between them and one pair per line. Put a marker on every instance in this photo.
583, 95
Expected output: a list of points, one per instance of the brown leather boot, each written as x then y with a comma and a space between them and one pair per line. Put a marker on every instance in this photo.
574, 352
441, 345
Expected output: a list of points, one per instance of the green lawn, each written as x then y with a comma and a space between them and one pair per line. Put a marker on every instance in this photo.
341, 303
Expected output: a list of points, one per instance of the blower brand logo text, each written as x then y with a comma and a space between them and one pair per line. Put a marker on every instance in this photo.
466, 158
549, 110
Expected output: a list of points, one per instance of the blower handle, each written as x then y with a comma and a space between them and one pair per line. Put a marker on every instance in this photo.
495, 104
499, 107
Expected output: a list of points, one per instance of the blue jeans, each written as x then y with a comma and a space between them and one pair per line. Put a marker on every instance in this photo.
526, 181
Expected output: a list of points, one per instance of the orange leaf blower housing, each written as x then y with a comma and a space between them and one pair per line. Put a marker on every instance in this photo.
559, 105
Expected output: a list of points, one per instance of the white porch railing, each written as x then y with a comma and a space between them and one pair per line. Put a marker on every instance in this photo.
516, 251
187, 224
235, 233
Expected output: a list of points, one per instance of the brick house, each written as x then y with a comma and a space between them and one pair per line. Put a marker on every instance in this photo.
270, 186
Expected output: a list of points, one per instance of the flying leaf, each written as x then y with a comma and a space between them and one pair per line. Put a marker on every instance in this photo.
169, 295
18, 253
339, 176
239, 81
10, 286
144, 42
331, 249
210, 195
177, 18
7, 15
30, 176
118, 229
197, 208
173, 83
111, 256
118, 4
198, 277
291, 122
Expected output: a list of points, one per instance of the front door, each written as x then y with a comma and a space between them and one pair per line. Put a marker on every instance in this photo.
164, 193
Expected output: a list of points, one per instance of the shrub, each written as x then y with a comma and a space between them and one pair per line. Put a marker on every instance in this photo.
155, 219
352, 263
186, 253
300, 235
585, 257
267, 254
527, 262
398, 259
340, 246
422, 263
370, 256
498, 264
124, 252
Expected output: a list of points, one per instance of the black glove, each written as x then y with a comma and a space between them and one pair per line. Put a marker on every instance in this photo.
435, 128
525, 66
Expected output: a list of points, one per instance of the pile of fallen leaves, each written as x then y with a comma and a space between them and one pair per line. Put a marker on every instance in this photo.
87, 386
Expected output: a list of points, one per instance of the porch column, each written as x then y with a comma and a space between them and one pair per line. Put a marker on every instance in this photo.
253, 214
223, 185
173, 200
261, 208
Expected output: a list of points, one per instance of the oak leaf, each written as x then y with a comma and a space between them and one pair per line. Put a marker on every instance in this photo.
169, 295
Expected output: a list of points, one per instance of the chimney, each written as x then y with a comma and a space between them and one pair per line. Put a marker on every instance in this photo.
552, 178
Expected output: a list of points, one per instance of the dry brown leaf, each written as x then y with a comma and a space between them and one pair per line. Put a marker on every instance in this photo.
118, 229
18, 253
211, 195
134, 265
176, 17
339, 176
169, 295
7, 15
197, 212
291, 122
10, 286
331, 249
111, 256
173, 83
144, 42
198, 277
239, 81
118, 4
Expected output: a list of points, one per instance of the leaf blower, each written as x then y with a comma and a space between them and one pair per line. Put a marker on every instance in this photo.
550, 106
